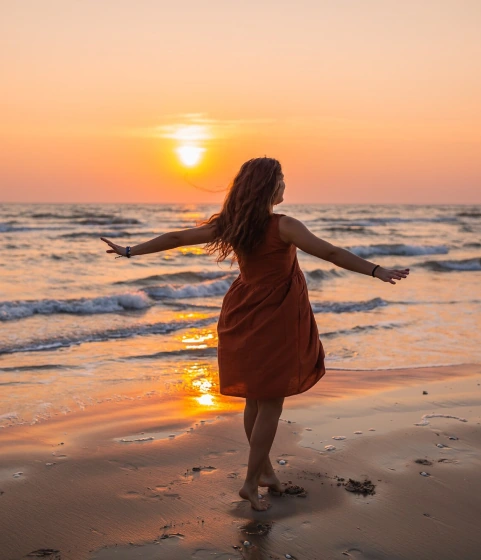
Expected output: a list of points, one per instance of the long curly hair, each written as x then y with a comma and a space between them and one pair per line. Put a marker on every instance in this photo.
241, 224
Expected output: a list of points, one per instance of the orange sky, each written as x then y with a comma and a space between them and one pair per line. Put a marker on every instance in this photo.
362, 102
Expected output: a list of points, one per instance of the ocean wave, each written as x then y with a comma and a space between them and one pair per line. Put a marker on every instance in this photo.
7, 228
12, 310
85, 217
466, 265
108, 221
351, 229
319, 274
374, 221
38, 367
397, 249
107, 234
42, 345
473, 214
186, 276
363, 328
205, 289
210, 351
348, 306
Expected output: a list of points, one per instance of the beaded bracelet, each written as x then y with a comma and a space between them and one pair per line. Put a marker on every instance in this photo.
127, 253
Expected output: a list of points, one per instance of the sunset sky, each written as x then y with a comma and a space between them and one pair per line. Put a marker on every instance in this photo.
373, 101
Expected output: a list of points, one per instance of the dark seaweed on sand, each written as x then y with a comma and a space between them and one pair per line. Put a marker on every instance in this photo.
364, 487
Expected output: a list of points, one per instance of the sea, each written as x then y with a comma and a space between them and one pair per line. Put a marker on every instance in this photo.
79, 326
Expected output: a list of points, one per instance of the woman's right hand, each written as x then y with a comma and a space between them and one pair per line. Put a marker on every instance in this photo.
387, 275
115, 248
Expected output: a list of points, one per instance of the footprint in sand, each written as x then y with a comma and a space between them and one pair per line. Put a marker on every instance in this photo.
353, 553
149, 495
125, 466
172, 495
215, 454
208, 554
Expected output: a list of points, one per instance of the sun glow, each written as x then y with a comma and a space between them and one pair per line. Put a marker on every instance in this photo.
190, 155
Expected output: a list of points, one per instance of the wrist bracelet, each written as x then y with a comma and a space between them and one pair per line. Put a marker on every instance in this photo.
372, 273
127, 252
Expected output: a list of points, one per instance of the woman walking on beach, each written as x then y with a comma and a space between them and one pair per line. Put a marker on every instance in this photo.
269, 346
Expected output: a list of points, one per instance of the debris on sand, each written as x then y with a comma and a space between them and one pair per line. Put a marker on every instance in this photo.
171, 535
423, 462
209, 468
329, 447
49, 553
295, 490
424, 473
256, 528
291, 489
364, 487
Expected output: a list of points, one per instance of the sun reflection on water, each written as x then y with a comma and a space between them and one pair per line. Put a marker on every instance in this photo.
197, 340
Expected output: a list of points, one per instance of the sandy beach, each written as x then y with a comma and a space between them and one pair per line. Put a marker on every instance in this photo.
156, 479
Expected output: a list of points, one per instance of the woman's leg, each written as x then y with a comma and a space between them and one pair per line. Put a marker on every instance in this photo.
268, 477
262, 436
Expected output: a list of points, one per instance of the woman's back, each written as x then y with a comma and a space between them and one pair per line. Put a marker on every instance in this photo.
273, 261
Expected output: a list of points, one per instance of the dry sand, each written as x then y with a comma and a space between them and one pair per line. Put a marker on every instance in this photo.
104, 499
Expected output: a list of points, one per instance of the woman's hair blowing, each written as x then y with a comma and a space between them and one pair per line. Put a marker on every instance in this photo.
241, 224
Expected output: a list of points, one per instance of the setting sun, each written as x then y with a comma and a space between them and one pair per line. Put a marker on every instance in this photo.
190, 155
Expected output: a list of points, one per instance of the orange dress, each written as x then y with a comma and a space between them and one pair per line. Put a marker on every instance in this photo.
269, 344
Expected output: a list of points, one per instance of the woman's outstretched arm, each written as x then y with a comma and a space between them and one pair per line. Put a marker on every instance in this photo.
171, 240
294, 231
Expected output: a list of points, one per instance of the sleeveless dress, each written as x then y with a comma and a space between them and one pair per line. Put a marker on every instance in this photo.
269, 345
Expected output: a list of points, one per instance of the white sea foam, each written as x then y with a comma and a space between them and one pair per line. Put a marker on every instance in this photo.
397, 249
204, 289
84, 306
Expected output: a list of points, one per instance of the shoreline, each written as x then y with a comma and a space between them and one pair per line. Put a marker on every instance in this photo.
99, 494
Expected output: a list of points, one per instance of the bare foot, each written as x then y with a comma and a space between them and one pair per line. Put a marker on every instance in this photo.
272, 482
250, 493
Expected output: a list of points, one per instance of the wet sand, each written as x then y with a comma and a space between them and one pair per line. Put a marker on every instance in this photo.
86, 494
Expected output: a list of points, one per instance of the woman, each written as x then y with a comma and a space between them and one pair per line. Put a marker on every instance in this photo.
269, 345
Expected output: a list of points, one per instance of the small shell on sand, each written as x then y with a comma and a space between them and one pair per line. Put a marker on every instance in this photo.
17, 474
424, 473
357, 432
246, 543
282, 462
308, 429
339, 437
329, 447
372, 430
453, 437
440, 445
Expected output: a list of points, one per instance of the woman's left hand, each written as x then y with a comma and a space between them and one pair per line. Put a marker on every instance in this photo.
115, 248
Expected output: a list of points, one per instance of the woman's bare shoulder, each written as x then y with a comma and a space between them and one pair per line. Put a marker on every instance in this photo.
287, 226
